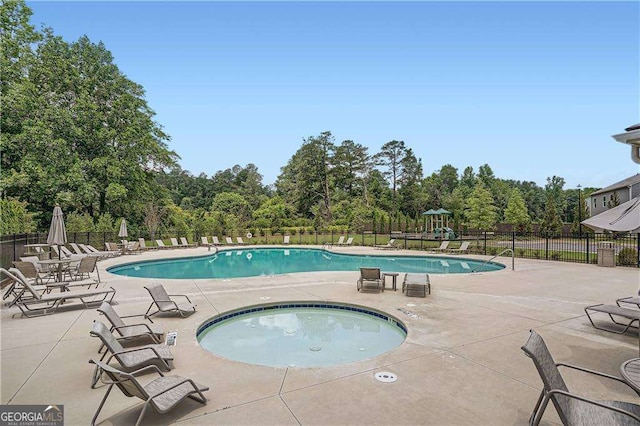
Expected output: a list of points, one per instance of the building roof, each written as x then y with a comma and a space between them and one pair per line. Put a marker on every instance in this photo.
625, 183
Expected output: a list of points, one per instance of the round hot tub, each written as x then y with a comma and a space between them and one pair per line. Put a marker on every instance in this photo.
301, 334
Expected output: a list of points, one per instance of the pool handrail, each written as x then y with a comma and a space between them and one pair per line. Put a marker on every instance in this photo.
513, 260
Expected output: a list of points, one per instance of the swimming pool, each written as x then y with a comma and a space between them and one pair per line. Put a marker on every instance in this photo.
274, 261
301, 334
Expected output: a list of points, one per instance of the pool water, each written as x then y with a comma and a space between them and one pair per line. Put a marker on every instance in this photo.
284, 336
275, 261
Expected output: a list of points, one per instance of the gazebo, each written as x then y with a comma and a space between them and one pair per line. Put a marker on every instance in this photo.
438, 219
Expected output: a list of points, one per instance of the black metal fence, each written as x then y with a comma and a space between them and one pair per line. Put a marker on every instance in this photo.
618, 249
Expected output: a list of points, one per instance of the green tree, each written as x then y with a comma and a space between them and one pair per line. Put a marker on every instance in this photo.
614, 201
554, 187
306, 181
579, 216
410, 191
468, 178
75, 105
16, 38
14, 217
273, 213
77, 222
231, 203
480, 212
105, 223
351, 163
516, 211
551, 224
390, 158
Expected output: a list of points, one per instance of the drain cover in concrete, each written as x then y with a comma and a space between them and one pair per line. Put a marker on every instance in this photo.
386, 377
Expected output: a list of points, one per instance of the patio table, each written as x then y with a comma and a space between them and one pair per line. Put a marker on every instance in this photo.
630, 372
59, 263
394, 279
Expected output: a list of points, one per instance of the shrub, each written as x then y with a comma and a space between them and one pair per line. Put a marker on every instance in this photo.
628, 257
554, 255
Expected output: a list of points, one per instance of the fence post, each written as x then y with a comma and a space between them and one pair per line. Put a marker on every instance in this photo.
546, 247
14, 247
588, 253
485, 243
513, 243
405, 241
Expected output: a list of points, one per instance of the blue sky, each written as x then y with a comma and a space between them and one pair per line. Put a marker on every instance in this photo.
534, 89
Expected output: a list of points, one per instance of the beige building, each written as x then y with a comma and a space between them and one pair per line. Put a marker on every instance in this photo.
626, 189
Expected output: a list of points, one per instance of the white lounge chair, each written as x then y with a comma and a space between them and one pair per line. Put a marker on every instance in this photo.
443, 247
161, 245
390, 245
285, 239
185, 243
175, 243
462, 249
346, 243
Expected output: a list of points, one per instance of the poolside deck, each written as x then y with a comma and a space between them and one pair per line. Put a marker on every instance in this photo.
461, 363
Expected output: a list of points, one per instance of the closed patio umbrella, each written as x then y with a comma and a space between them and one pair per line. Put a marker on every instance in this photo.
123, 229
57, 232
122, 233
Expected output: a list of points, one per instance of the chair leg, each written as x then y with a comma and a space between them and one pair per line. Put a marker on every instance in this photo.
104, 399
144, 409
95, 377
147, 315
535, 409
543, 407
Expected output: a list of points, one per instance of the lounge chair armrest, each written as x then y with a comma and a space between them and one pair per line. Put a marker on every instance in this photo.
597, 373
591, 401
148, 367
143, 324
180, 295
137, 350
156, 301
131, 316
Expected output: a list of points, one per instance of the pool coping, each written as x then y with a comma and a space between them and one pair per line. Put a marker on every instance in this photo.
440, 256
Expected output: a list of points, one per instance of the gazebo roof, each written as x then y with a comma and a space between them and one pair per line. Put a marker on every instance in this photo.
431, 212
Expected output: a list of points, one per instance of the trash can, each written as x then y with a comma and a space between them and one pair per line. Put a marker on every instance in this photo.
606, 254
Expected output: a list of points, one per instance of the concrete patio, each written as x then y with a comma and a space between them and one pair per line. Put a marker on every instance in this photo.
460, 364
